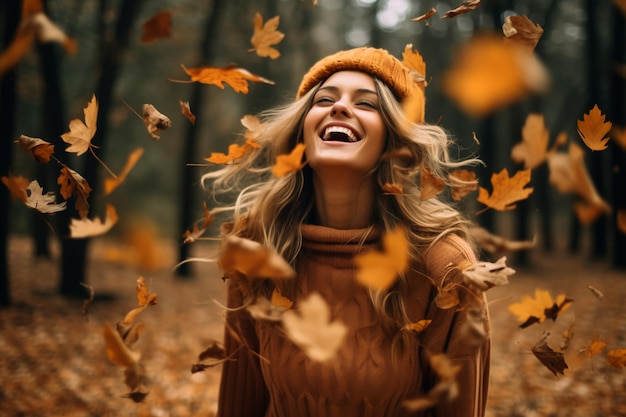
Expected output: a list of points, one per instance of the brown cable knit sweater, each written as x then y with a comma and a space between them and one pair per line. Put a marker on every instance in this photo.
370, 376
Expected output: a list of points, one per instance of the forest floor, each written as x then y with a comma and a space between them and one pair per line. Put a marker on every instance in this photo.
53, 360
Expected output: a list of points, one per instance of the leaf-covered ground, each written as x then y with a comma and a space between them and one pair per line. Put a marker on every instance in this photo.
53, 360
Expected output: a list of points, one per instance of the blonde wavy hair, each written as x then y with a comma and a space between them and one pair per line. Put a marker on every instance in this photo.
270, 210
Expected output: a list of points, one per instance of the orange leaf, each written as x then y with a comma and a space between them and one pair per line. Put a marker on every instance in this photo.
389, 188
265, 36
157, 27
593, 130
235, 151
80, 134
533, 149
521, 30
506, 190
39, 149
430, 185
280, 300
418, 326
232, 75
596, 346
380, 269
190, 237
111, 184
616, 358
463, 183
17, 187
467, 6
253, 260
117, 351
412, 59
291, 162
186, 111
144, 297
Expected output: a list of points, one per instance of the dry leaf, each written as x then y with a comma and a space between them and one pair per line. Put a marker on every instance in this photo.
279, 300
446, 388
593, 130
430, 186
379, 270
425, 16
485, 275
144, 297
533, 149
595, 291
389, 188
80, 134
73, 184
155, 121
465, 7
43, 203
83, 228
522, 31
289, 163
463, 182
266, 35
497, 244
111, 184
157, 27
39, 149
186, 111
567, 337
117, 351
595, 347
552, 360
253, 260
190, 237
536, 310
616, 358
235, 152
506, 190
418, 326
232, 75
17, 187
311, 328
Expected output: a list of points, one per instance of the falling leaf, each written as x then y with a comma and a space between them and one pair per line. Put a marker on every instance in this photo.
533, 149
39, 149
616, 358
83, 228
463, 182
73, 184
595, 347
192, 236
311, 328
536, 310
521, 30
389, 188
266, 35
253, 260
568, 334
17, 187
380, 269
593, 130
430, 186
506, 190
619, 136
289, 163
280, 300
425, 16
117, 351
595, 291
487, 75
214, 353
155, 121
157, 27
446, 388
497, 244
418, 326
80, 134
144, 297
235, 152
111, 184
465, 7
232, 75
485, 275
414, 61
43, 203
552, 360
186, 111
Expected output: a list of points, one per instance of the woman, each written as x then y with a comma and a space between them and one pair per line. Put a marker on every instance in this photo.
349, 115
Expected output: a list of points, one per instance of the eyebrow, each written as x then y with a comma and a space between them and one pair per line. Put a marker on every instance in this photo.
360, 90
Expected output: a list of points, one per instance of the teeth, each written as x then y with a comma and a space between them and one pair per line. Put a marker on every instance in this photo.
328, 133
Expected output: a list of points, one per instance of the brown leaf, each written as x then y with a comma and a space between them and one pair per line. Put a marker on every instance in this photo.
533, 149
425, 16
159, 26
552, 360
619, 136
465, 7
117, 351
463, 182
186, 111
232, 75
17, 187
80, 135
192, 236
111, 184
253, 260
521, 30
430, 186
144, 297
616, 358
266, 35
418, 326
289, 163
621, 220
155, 121
39, 149
506, 190
568, 334
73, 184
593, 130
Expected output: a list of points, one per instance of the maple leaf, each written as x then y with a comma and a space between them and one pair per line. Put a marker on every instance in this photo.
616, 358
485, 275
235, 152
43, 203
533, 149
506, 190
465, 7
253, 260
430, 186
418, 326
266, 35
232, 75
425, 16
289, 163
312, 330
445, 389
593, 130
494, 244
155, 121
521, 30
111, 184
85, 227
551, 359
17, 187
80, 134
186, 111
463, 182
380, 269
159, 26
40, 150
73, 184
536, 310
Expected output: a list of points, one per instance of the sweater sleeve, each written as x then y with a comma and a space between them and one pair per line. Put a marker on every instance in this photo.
463, 334
242, 389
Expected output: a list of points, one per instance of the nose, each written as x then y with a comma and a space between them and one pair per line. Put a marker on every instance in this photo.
340, 108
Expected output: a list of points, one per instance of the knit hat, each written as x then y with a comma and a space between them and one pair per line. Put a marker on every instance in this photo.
376, 62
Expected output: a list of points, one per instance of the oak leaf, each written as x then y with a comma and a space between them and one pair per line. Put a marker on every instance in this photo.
521, 30
186, 111
485, 275
533, 149
253, 260
465, 7
430, 185
551, 359
159, 26
43, 203
593, 130
379, 270
40, 150
85, 227
17, 187
311, 328
232, 75
266, 35
462, 182
616, 358
111, 184
154, 120
80, 135
73, 184
536, 310
506, 190
289, 163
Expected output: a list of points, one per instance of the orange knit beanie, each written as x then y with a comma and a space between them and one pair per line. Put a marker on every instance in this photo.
378, 63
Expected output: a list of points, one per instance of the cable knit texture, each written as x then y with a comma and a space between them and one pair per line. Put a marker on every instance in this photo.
371, 375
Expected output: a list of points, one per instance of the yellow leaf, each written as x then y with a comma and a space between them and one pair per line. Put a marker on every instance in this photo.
533, 149
536, 310
380, 269
232, 75
88, 228
593, 130
265, 36
111, 184
506, 190
80, 134
289, 163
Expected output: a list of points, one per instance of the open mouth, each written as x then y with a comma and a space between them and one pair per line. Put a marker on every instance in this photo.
339, 134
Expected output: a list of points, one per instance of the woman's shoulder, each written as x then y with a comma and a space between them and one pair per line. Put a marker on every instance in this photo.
448, 251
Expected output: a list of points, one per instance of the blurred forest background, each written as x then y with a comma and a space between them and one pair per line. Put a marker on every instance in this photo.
582, 48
